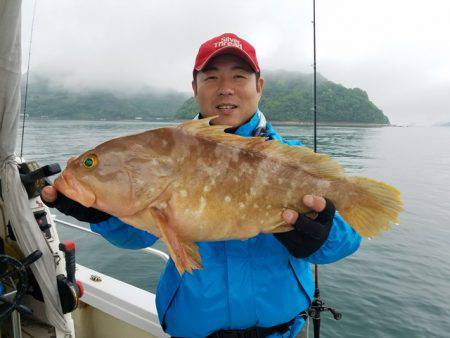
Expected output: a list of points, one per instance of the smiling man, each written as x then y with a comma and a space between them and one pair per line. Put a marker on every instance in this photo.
258, 287
227, 86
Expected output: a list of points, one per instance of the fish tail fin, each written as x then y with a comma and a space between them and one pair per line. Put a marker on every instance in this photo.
376, 208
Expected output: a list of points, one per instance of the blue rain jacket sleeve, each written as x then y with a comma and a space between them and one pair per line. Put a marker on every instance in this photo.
342, 241
123, 235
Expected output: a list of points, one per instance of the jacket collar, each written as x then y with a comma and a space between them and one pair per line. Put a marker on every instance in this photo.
247, 128
257, 122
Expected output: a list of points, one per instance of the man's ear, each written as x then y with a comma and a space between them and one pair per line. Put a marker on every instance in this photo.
260, 85
194, 87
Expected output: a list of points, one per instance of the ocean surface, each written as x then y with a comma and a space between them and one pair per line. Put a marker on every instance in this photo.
396, 285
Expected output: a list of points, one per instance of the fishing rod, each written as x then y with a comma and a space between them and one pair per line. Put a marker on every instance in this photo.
26, 84
317, 305
315, 79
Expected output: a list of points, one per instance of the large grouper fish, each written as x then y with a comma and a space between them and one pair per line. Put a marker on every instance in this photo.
195, 182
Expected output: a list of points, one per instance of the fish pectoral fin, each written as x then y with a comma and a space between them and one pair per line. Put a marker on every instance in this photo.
184, 254
143, 220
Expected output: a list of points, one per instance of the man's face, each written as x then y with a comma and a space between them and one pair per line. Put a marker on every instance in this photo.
227, 87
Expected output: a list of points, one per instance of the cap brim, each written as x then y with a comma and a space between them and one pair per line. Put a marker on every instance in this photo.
230, 50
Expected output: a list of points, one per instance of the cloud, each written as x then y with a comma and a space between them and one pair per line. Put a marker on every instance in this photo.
396, 51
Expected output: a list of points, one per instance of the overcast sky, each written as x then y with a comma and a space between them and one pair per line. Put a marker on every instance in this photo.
398, 51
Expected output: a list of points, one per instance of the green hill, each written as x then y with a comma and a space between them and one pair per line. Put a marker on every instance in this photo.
46, 99
288, 96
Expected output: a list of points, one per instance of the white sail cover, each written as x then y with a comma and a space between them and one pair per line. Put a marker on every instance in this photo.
16, 204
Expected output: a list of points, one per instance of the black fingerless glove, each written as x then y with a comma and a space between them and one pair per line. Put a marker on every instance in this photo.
71, 208
308, 234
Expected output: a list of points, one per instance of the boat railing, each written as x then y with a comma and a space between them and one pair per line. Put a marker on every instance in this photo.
116, 298
152, 251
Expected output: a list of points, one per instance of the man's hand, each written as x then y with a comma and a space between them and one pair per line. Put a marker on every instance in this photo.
315, 203
53, 199
308, 234
49, 194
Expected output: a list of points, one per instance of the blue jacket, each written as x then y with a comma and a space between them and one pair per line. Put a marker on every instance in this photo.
255, 282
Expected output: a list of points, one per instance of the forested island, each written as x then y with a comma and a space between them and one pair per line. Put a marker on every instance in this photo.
287, 96
46, 99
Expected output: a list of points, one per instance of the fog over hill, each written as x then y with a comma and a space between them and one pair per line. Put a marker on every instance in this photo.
288, 96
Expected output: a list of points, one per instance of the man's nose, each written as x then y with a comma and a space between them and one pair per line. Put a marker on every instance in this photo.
225, 88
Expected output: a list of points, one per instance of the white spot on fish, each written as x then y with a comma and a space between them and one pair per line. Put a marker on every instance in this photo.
241, 205
206, 188
202, 205
183, 193
164, 143
268, 206
227, 199
236, 179
162, 205
255, 205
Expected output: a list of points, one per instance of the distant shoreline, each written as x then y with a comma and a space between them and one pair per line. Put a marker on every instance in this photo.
343, 124
274, 122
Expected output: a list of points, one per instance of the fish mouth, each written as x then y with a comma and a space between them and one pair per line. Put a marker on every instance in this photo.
69, 186
226, 108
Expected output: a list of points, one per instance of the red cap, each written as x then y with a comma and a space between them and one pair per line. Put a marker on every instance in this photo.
227, 43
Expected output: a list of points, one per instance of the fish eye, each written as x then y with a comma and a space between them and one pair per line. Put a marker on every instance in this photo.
90, 161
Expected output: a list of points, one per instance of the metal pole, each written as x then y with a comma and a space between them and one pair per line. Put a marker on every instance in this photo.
16, 324
152, 251
26, 85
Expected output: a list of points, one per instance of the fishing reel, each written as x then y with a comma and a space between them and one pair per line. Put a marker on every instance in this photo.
318, 306
14, 283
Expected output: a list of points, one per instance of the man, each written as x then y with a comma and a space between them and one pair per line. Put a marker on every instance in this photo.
254, 288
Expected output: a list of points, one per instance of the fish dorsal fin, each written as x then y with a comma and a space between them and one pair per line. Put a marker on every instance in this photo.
202, 127
315, 164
